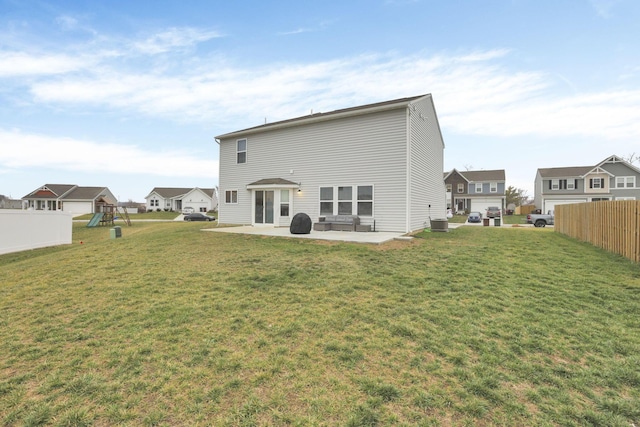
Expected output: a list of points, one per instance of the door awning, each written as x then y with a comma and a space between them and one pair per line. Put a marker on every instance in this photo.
273, 183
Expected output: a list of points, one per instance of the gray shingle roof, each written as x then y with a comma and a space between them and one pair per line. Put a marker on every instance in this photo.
490, 175
564, 172
399, 102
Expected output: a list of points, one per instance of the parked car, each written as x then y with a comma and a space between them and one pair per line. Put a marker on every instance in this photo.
541, 220
198, 217
474, 217
493, 211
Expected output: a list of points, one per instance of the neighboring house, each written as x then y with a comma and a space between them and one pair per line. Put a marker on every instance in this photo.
176, 199
475, 191
69, 198
382, 162
8, 203
611, 179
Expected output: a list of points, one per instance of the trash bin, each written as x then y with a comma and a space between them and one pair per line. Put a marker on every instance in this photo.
496, 221
116, 232
485, 222
440, 224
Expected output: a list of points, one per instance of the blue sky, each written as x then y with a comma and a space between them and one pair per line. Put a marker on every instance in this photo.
130, 94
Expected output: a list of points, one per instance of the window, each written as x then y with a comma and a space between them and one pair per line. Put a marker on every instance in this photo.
241, 151
493, 187
625, 181
284, 202
345, 199
326, 200
460, 188
448, 188
596, 183
203, 210
571, 184
231, 196
365, 200
555, 184
479, 188
154, 203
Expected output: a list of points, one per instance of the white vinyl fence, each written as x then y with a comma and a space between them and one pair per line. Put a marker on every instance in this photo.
22, 230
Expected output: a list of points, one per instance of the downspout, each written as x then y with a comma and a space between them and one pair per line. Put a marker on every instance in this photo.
219, 202
407, 225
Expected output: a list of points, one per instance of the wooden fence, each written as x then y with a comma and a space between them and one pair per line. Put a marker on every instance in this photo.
613, 226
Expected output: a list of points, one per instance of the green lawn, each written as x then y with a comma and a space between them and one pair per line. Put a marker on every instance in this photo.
170, 325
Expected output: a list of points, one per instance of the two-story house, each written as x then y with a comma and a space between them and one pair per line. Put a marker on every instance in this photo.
475, 191
176, 199
382, 162
611, 179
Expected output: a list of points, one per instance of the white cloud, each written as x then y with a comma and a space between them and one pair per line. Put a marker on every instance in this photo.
14, 64
42, 151
174, 38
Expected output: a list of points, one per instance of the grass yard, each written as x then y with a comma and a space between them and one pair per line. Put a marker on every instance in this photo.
170, 325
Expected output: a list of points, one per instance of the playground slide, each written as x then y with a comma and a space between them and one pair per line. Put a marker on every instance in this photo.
95, 219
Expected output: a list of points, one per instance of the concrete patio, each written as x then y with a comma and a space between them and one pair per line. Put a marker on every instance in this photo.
374, 237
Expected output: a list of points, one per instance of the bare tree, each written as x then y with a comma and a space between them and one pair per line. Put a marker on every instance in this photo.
631, 158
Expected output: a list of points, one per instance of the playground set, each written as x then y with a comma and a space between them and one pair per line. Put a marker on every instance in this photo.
106, 214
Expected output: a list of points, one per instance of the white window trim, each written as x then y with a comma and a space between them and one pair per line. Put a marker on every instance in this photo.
555, 184
571, 184
478, 185
238, 151
354, 199
625, 181
460, 188
493, 187
231, 202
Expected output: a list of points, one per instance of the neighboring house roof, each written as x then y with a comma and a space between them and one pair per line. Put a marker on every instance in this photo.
50, 191
86, 193
172, 193
489, 175
386, 105
169, 192
564, 172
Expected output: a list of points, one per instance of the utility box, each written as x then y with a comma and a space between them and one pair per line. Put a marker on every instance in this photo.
440, 225
116, 232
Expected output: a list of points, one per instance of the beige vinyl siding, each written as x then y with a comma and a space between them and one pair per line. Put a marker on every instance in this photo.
358, 150
426, 164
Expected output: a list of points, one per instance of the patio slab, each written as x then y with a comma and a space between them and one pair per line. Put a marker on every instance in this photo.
375, 237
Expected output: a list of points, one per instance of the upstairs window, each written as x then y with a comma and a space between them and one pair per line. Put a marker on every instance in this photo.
555, 184
448, 188
596, 183
571, 184
493, 187
241, 151
625, 182
479, 188
460, 188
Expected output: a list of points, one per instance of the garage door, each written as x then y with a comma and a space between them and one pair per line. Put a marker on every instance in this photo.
482, 204
550, 205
